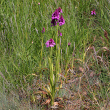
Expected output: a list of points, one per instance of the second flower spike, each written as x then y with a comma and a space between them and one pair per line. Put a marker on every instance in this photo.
50, 43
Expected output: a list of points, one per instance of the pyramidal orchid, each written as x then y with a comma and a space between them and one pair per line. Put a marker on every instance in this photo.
56, 18
50, 43
54, 76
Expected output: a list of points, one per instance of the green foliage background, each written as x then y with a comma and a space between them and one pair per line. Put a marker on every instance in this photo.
22, 22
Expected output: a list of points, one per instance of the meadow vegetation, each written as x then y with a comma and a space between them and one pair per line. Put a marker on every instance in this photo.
73, 73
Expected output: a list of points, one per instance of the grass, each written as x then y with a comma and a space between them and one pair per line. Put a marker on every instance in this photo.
83, 67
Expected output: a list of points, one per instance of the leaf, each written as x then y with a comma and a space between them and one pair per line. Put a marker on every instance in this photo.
41, 92
55, 105
47, 102
105, 48
91, 74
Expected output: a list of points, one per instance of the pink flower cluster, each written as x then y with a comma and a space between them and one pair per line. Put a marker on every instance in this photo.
56, 18
50, 43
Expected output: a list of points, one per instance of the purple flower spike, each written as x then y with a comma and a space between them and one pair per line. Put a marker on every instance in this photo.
43, 30
55, 15
93, 12
56, 18
50, 43
53, 22
61, 21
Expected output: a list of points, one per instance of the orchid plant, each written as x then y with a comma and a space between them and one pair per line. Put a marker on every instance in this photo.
54, 76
